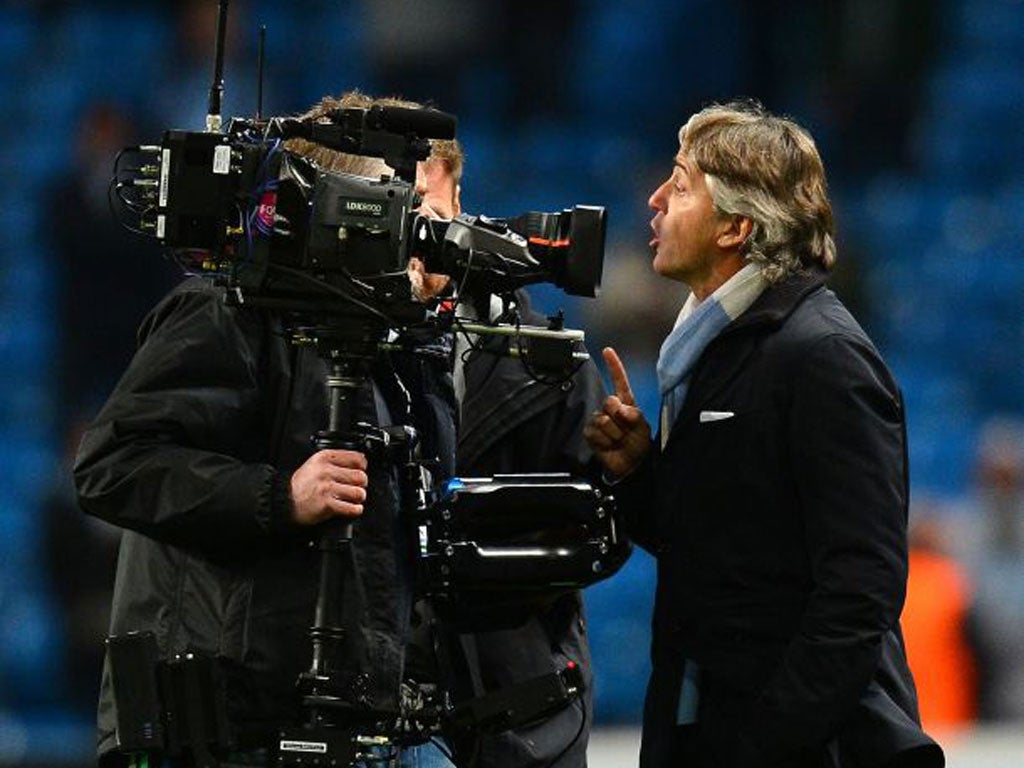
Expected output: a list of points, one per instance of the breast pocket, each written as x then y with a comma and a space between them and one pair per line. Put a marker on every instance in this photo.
718, 448
722, 431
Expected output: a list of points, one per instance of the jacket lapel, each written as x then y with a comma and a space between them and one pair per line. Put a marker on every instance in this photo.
733, 347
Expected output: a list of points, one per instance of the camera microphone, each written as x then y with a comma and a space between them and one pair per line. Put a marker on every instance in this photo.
422, 123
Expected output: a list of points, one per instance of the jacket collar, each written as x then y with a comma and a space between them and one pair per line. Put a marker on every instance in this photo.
769, 311
778, 301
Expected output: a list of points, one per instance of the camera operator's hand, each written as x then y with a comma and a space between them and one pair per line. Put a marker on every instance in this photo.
331, 483
619, 434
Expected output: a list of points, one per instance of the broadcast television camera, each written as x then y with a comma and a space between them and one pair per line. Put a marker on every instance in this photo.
279, 231
330, 251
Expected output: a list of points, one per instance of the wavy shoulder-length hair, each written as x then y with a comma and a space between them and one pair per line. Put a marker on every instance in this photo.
765, 168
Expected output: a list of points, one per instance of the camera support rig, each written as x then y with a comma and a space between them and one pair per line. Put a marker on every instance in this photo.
336, 705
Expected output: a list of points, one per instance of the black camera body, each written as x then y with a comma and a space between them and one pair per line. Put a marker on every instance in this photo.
268, 223
244, 201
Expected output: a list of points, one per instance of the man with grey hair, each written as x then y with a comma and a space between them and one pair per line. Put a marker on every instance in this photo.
775, 494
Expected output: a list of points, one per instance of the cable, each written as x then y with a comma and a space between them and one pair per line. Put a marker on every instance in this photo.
513, 317
524, 359
475, 756
113, 212
475, 341
121, 153
119, 189
460, 286
328, 288
131, 205
571, 744
550, 381
266, 159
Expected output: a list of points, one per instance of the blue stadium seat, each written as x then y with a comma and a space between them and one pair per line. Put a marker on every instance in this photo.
901, 217
1009, 201
970, 130
19, 36
981, 84
30, 642
941, 454
31, 467
990, 25
18, 538
130, 49
943, 410
611, 55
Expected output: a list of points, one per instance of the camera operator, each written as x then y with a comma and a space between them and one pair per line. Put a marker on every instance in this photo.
775, 498
202, 455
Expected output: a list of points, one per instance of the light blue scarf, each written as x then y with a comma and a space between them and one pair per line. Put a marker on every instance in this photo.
697, 324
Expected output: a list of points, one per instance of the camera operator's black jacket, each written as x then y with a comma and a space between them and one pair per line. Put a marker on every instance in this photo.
192, 456
778, 511
513, 423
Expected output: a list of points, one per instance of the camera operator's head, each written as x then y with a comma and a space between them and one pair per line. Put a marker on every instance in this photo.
437, 178
767, 169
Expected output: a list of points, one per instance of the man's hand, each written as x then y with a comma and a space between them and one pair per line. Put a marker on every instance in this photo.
331, 483
425, 285
619, 435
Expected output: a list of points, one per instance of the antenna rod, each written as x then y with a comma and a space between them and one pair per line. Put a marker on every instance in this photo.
259, 71
213, 114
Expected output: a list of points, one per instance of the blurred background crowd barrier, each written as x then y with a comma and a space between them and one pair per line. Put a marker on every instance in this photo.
918, 108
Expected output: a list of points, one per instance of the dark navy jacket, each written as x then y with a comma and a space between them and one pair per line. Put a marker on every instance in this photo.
780, 534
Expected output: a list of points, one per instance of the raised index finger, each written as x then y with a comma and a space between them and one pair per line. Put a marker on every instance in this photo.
619, 378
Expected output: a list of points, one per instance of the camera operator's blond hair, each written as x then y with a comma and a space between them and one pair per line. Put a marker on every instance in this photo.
767, 169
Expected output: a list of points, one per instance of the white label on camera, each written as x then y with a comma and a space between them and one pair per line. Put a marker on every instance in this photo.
304, 746
222, 159
363, 207
165, 174
161, 225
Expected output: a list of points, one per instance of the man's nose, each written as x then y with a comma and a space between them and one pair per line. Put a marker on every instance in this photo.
654, 201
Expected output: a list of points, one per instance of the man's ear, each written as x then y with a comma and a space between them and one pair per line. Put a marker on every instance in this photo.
457, 201
735, 231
